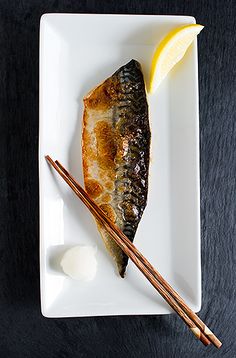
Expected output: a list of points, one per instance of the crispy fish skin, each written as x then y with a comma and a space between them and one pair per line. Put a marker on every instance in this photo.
115, 150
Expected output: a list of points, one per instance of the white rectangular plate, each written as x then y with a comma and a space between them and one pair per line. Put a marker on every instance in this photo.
77, 52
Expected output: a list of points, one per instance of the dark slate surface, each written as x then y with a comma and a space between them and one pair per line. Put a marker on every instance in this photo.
23, 331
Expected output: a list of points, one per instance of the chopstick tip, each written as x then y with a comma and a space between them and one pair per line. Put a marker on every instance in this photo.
49, 159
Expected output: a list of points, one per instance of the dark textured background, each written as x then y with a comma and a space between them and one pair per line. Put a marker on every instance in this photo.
23, 331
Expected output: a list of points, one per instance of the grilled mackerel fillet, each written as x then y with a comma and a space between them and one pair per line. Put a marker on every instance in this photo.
115, 148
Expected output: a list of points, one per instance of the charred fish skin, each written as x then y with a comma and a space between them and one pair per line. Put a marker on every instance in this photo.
115, 148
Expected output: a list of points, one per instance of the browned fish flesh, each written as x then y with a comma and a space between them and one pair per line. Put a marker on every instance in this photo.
115, 149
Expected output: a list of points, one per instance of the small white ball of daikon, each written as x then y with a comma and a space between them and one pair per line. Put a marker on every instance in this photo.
80, 263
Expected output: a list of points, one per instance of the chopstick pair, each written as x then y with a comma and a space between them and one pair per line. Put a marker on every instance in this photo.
196, 325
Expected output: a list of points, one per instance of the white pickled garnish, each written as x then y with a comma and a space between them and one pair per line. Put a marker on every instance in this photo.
80, 263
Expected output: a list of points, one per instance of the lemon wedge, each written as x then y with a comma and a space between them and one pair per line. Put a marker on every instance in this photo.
170, 51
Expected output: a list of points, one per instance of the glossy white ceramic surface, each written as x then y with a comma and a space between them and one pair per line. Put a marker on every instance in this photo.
77, 52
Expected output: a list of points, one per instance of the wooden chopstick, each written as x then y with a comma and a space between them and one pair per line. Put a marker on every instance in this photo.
200, 330
192, 315
200, 324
